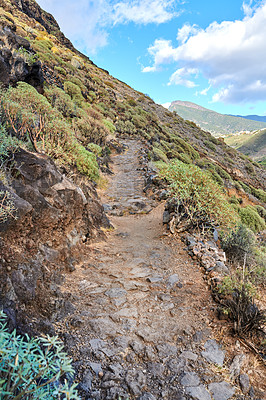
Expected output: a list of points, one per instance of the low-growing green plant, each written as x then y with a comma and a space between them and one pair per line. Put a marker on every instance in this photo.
34, 368
86, 162
238, 243
210, 145
97, 150
201, 200
61, 101
251, 218
74, 92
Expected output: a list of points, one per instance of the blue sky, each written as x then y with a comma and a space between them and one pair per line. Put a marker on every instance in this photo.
210, 53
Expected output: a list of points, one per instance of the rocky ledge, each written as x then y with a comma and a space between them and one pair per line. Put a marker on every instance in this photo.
54, 217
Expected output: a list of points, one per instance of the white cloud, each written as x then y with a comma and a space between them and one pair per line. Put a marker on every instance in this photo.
178, 77
79, 20
148, 69
143, 12
87, 22
205, 91
186, 31
230, 54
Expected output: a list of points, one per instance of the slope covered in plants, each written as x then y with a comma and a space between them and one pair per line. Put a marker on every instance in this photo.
87, 105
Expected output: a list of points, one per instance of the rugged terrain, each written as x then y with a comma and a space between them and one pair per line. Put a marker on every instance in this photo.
83, 252
143, 319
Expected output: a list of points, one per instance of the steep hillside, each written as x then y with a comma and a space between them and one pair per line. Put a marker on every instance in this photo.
211, 121
253, 145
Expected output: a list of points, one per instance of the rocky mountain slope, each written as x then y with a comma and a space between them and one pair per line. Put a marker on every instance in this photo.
63, 122
211, 121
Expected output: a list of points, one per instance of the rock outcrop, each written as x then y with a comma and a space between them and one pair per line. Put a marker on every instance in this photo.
54, 220
17, 62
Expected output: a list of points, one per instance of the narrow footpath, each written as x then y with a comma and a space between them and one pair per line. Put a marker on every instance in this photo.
141, 327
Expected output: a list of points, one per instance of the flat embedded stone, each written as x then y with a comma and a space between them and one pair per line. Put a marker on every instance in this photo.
221, 390
213, 352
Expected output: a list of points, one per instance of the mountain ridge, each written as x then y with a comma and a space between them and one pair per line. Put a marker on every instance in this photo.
216, 123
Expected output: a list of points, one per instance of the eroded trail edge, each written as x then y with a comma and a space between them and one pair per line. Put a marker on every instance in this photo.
140, 329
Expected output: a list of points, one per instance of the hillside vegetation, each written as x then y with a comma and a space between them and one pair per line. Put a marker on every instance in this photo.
211, 121
79, 107
253, 145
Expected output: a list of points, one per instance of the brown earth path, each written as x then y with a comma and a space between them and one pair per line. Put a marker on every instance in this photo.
141, 327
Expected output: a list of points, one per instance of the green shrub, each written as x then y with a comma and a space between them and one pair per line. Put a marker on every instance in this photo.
86, 162
184, 158
159, 155
76, 81
259, 193
237, 243
60, 70
97, 150
262, 212
74, 92
8, 144
210, 145
109, 125
90, 130
203, 201
250, 217
33, 368
61, 101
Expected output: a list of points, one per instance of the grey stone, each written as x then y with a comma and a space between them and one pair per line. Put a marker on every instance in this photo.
136, 381
96, 367
236, 365
221, 267
172, 280
244, 382
149, 353
166, 217
156, 369
166, 350
97, 344
188, 355
213, 352
116, 292
221, 390
137, 347
147, 396
76, 321
190, 379
103, 327
164, 297
198, 392
86, 383
154, 279
116, 369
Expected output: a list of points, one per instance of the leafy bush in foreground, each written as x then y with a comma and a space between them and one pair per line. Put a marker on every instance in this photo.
201, 199
33, 368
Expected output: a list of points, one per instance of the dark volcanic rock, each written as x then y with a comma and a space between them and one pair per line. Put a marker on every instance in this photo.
17, 65
54, 218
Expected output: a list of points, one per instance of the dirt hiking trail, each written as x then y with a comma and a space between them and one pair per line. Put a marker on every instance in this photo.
141, 326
